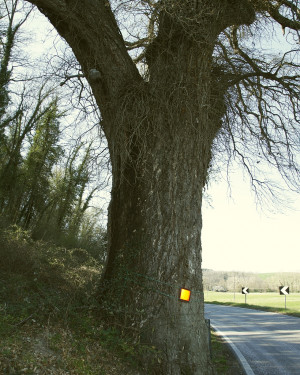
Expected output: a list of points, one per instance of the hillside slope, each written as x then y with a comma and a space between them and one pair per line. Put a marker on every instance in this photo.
50, 321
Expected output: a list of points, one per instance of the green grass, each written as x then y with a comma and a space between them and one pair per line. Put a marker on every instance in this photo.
50, 321
264, 301
224, 361
51, 331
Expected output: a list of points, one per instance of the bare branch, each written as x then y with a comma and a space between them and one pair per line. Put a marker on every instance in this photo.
92, 32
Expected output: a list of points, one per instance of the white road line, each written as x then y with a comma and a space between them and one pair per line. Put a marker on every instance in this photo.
240, 357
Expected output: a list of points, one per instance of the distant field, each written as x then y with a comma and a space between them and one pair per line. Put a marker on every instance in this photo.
271, 301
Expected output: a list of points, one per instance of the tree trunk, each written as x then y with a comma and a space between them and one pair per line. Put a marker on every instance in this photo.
160, 132
155, 249
160, 157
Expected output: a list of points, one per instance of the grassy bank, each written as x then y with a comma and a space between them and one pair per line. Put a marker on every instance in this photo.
224, 361
264, 301
50, 321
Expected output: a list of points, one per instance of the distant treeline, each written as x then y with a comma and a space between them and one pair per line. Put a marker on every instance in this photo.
257, 282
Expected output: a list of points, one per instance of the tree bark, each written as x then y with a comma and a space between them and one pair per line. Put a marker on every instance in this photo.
160, 134
155, 212
155, 249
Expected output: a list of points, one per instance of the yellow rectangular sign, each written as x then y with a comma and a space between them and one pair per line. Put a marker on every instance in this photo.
185, 295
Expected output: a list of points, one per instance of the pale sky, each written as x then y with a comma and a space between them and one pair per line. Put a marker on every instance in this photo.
240, 237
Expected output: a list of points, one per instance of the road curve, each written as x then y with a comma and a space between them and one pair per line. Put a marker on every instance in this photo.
267, 343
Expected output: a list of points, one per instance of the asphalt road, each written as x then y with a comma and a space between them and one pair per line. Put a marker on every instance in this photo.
266, 343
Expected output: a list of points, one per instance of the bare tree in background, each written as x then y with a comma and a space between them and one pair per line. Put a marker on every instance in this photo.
191, 78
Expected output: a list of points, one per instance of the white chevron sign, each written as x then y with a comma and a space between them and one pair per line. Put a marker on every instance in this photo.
284, 290
245, 290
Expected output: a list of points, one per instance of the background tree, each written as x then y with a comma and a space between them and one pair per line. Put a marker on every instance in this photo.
19, 128
33, 127
206, 84
9, 147
8, 34
69, 198
37, 167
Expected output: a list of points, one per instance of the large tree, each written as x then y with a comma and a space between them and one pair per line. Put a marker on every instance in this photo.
198, 82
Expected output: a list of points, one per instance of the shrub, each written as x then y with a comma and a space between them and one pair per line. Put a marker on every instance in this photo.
45, 262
